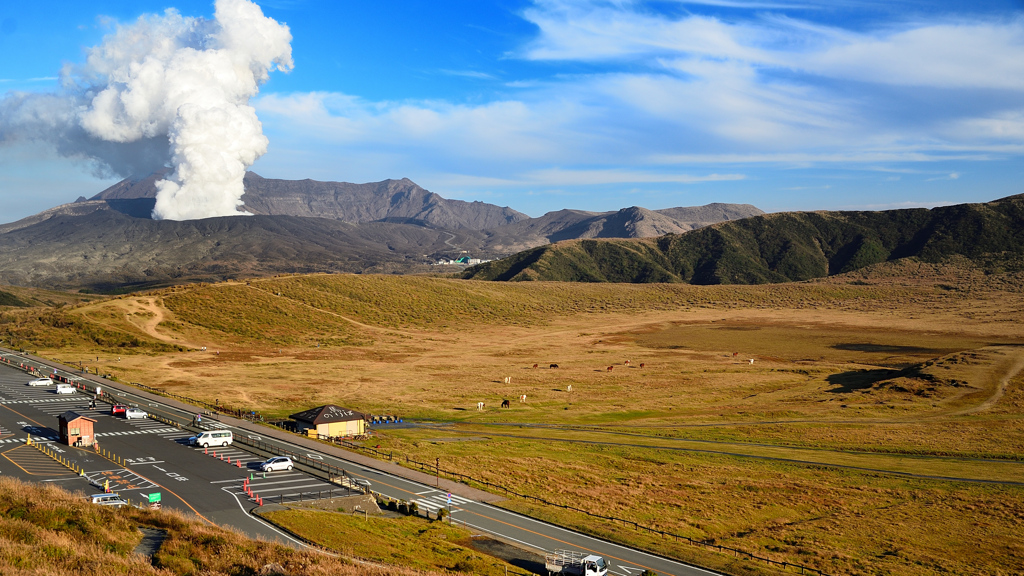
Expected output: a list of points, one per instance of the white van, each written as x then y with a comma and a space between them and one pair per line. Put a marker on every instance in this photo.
65, 389
212, 438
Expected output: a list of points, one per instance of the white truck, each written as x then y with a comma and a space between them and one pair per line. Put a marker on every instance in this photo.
572, 563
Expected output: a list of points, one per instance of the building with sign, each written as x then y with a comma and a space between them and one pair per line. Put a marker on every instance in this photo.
330, 421
75, 429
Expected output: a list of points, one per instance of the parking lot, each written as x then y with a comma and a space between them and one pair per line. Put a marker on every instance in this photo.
140, 457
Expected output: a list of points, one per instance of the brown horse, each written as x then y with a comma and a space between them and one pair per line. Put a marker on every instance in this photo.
505, 404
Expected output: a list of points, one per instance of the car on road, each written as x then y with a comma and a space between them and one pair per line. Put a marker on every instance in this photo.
65, 389
41, 382
135, 413
277, 463
110, 499
118, 410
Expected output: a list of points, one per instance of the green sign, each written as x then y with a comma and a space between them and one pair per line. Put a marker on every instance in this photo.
154, 497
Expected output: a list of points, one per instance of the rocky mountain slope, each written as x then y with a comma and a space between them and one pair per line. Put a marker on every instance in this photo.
109, 241
400, 201
106, 249
634, 222
781, 247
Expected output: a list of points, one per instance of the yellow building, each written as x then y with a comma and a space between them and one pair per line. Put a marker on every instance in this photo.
330, 421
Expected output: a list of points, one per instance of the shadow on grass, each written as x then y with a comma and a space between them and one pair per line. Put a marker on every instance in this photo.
847, 382
869, 347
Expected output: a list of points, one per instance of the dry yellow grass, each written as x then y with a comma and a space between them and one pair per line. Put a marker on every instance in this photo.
908, 368
45, 531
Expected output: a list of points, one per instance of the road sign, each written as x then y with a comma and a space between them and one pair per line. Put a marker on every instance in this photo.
154, 497
449, 497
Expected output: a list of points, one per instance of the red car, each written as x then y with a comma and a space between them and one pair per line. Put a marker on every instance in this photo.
118, 410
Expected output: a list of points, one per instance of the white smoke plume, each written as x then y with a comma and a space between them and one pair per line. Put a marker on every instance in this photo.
166, 89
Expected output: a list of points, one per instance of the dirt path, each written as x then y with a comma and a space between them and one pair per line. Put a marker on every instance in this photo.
151, 324
1014, 368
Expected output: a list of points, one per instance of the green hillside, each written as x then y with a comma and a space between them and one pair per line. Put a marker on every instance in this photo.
780, 247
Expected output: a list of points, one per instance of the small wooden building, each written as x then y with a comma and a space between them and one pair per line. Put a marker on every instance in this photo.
331, 421
75, 429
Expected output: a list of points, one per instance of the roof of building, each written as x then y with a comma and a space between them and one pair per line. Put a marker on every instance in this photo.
72, 415
327, 414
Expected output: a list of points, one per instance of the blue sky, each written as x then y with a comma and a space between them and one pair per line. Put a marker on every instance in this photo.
598, 105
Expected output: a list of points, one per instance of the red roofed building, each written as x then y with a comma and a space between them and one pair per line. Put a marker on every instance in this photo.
331, 421
75, 429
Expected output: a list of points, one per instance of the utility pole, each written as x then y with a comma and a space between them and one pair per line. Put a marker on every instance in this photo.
437, 478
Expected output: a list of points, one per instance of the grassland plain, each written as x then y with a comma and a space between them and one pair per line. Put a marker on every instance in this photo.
46, 531
408, 541
809, 453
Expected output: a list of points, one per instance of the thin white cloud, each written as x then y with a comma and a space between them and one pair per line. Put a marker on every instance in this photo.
469, 74
39, 79
951, 53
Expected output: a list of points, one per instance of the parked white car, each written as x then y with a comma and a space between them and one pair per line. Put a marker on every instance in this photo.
111, 499
277, 463
41, 382
135, 413
65, 389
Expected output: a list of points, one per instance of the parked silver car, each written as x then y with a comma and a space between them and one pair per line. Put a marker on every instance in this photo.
277, 463
134, 413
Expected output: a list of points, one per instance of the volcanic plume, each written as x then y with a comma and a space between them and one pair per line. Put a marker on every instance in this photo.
165, 90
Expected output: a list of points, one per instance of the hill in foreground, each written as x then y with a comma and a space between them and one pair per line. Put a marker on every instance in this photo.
45, 530
781, 247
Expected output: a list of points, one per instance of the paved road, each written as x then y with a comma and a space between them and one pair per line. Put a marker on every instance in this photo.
156, 455
146, 456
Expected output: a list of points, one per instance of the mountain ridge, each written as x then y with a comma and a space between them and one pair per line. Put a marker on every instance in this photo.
782, 247
110, 241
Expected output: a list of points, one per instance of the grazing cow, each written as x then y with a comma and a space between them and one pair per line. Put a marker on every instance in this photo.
534, 365
735, 354
751, 361
479, 405
569, 388
610, 368
508, 379
505, 404
553, 366
641, 364
522, 398
626, 362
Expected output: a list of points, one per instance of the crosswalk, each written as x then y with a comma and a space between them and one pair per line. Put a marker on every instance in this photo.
62, 398
35, 438
434, 500
133, 432
280, 487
